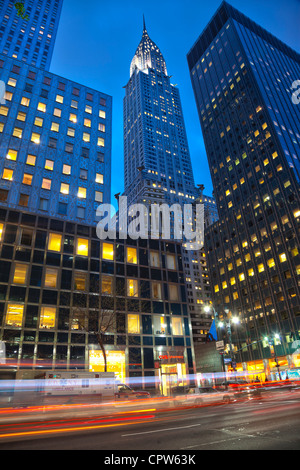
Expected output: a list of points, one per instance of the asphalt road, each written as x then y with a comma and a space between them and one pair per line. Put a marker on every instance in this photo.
257, 425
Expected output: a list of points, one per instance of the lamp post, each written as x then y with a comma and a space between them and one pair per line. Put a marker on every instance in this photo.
227, 324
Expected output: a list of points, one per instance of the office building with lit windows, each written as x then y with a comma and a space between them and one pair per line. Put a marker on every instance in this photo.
58, 281
242, 78
157, 163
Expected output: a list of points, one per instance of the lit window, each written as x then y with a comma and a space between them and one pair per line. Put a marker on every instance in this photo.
25, 101
99, 178
41, 107
242, 277
82, 247
64, 188
81, 193
217, 288
73, 118
102, 114
86, 137
66, 169
17, 132
57, 112
88, 123
35, 137
154, 259
27, 179
71, 132
132, 288
12, 82
59, 99
173, 292
88, 109
131, 255
108, 251
177, 326
55, 127
14, 315
7, 174
38, 121
20, 274
46, 184
31, 160
251, 272
106, 285
48, 316
260, 268
100, 142
156, 290
54, 243
12, 155
282, 257
51, 278
80, 281
1, 231
159, 325
271, 263
49, 165
133, 324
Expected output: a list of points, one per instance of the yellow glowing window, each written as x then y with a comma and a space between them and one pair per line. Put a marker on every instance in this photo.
242, 277
66, 170
41, 107
102, 114
49, 165
99, 178
235, 296
20, 274
156, 290
64, 188
251, 272
12, 155
86, 137
131, 255
73, 118
177, 326
7, 174
100, 142
59, 99
232, 281
81, 192
230, 267
133, 324
224, 285
274, 155
260, 268
88, 123
27, 179
35, 137
282, 257
25, 101
51, 278
271, 263
1, 231
46, 184
297, 213
55, 127
108, 251
38, 121
132, 288
247, 257
31, 159
54, 243
48, 316
106, 285
14, 315
82, 247
79, 281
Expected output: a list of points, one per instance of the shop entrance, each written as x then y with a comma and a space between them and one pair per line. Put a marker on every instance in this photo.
171, 376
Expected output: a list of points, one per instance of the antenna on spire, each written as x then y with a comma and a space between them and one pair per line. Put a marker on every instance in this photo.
144, 23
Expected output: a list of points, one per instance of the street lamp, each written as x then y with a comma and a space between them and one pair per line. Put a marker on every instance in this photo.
227, 323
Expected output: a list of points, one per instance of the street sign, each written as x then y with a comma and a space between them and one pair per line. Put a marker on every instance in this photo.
220, 345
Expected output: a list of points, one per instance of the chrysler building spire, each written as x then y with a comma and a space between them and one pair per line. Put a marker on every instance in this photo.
148, 55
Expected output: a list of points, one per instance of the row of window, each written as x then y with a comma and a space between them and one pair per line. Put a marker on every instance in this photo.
48, 315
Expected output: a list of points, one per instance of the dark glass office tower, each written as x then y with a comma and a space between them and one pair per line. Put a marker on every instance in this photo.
30, 41
242, 78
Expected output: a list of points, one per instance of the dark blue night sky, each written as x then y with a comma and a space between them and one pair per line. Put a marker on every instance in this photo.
97, 40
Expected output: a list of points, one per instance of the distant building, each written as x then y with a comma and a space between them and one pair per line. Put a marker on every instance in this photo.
242, 78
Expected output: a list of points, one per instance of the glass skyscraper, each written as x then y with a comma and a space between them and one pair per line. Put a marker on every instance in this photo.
242, 78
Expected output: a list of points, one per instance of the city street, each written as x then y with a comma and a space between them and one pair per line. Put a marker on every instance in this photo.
268, 424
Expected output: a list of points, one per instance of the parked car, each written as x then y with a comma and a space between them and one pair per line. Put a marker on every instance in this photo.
197, 396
